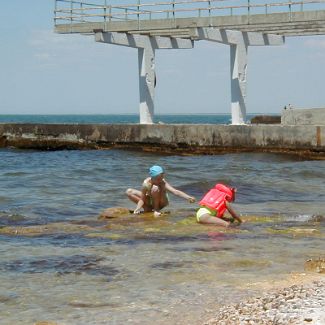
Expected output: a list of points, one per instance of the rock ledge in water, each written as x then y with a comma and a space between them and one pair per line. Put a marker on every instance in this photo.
313, 265
114, 212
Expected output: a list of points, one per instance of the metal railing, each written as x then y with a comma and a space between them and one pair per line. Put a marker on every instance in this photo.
80, 11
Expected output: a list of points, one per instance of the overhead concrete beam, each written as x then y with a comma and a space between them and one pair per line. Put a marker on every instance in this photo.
232, 37
141, 41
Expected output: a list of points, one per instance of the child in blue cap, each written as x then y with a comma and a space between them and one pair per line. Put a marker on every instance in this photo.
153, 195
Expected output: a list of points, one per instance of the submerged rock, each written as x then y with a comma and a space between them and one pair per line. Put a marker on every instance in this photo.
51, 228
294, 231
317, 218
114, 212
313, 265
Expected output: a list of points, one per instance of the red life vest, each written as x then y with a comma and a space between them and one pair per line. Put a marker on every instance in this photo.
216, 198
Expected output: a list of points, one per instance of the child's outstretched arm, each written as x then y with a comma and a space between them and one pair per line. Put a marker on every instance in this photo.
233, 213
179, 193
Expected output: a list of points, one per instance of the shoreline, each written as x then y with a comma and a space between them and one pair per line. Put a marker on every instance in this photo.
297, 300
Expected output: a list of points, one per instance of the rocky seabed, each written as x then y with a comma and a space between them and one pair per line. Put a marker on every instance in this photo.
297, 304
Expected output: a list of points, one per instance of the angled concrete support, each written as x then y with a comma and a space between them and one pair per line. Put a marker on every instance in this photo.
146, 58
238, 67
238, 42
146, 46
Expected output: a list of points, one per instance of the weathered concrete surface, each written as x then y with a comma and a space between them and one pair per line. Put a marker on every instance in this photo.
310, 116
168, 138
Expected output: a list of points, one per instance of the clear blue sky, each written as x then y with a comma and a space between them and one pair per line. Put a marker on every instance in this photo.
46, 73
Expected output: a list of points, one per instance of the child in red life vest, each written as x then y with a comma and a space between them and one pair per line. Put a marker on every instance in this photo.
215, 203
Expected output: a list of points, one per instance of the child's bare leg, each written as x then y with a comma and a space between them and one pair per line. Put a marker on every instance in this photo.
208, 219
133, 195
159, 198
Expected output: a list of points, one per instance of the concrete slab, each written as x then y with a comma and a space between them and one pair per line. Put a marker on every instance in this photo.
283, 23
305, 140
310, 116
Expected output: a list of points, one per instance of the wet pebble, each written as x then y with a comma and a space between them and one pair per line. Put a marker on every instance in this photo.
291, 305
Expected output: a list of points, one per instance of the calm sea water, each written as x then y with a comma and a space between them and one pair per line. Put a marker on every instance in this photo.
124, 118
59, 263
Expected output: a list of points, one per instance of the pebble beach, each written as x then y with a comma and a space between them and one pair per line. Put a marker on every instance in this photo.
297, 304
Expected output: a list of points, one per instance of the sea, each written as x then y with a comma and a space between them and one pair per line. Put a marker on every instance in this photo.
60, 263
119, 118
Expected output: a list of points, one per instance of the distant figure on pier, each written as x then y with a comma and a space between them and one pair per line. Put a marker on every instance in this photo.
289, 106
215, 203
153, 195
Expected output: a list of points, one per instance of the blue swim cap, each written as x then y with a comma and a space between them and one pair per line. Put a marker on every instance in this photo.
155, 171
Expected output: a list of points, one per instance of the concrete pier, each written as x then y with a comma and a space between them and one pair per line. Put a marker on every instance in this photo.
303, 140
152, 26
303, 116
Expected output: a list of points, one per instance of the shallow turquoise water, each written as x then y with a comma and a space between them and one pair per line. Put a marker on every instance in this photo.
139, 269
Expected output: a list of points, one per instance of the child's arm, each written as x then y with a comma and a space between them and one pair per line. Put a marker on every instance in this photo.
139, 207
233, 213
140, 202
179, 193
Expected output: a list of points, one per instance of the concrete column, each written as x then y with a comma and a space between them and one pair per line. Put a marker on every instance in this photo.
238, 42
146, 46
238, 67
146, 59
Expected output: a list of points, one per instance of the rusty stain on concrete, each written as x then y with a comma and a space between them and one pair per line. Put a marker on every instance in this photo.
318, 136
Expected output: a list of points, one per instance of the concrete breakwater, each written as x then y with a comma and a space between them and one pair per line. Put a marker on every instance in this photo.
306, 140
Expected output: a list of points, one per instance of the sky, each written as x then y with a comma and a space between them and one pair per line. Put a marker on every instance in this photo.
42, 72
